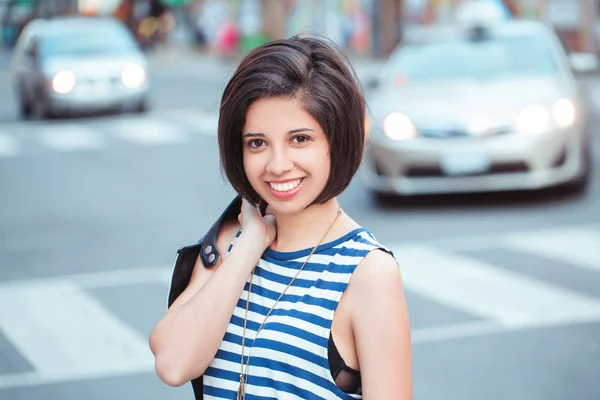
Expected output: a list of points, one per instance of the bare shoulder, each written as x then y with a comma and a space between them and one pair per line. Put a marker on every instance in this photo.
379, 269
381, 326
376, 278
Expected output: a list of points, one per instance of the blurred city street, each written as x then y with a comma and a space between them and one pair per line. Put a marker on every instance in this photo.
503, 289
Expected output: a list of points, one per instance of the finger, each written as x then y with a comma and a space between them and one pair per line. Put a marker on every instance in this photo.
249, 210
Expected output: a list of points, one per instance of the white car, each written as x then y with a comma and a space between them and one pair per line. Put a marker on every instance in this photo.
78, 65
478, 108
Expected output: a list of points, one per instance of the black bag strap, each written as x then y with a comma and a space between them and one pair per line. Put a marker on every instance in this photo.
206, 247
185, 260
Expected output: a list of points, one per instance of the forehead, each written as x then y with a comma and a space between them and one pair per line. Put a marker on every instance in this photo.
278, 114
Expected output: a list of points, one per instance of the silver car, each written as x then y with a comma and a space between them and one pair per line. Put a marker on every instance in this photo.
78, 65
479, 108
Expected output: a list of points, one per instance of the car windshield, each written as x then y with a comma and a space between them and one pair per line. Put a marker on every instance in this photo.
459, 58
104, 39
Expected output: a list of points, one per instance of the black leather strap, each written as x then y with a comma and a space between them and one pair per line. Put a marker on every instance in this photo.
209, 254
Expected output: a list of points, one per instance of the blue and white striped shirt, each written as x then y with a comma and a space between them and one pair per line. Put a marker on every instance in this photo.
289, 359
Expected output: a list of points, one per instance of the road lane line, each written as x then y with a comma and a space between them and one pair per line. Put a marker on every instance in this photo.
497, 295
8, 145
65, 333
576, 246
148, 131
70, 138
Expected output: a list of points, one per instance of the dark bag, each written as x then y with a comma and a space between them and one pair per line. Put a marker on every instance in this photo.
186, 258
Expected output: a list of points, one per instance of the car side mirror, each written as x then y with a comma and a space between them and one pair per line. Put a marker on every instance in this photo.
584, 63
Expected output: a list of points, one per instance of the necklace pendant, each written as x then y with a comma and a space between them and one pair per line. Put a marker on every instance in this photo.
241, 391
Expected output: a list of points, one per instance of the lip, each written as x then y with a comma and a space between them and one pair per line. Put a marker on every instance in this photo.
288, 194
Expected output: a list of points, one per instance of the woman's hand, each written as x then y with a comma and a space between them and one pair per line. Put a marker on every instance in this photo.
264, 229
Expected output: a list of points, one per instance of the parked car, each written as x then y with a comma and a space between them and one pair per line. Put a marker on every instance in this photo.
78, 65
479, 107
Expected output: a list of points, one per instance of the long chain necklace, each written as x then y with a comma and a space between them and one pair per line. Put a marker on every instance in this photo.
244, 368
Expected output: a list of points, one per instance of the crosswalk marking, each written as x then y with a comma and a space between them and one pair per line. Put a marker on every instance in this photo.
64, 332
102, 279
577, 246
206, 123
482, 290
148, 131
70, 138
67, 335
8, 145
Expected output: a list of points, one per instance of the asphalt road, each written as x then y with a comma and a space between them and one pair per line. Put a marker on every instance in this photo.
503, 289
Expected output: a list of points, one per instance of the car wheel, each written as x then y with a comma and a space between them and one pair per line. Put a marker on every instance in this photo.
45, 110
25, 109
141, 107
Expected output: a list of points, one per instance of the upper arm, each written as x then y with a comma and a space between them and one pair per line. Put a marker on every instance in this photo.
201, 274
381, 327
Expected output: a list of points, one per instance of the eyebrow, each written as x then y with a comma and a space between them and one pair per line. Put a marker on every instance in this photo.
259, 134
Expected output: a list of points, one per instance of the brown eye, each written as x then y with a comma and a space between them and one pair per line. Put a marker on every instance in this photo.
256, 143
301, 139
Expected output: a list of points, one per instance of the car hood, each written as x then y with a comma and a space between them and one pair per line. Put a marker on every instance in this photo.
462, 100
91, 67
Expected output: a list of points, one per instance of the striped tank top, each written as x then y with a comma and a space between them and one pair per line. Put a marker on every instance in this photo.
288, 359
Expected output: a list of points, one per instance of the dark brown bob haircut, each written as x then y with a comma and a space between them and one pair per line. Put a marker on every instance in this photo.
314, 71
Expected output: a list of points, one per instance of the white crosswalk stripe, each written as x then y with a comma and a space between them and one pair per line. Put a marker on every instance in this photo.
70, 138
67, 335
578, 246
482, 290
8, 145
149, 131
205, 123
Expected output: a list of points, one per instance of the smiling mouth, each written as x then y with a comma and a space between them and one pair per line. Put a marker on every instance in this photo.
287, 186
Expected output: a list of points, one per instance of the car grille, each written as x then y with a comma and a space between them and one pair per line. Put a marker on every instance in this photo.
113, 80
442, 133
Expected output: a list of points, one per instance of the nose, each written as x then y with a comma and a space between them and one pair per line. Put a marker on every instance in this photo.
280, 162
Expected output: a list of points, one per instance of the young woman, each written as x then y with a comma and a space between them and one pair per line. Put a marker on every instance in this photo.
296, 301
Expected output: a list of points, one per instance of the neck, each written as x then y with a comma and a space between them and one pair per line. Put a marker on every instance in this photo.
304, 229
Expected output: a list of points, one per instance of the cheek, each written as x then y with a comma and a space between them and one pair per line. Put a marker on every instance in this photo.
253, 166
320, 160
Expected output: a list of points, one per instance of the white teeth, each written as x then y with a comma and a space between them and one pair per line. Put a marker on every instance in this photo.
285, 187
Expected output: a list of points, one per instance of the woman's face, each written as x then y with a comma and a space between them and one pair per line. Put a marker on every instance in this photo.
286, 154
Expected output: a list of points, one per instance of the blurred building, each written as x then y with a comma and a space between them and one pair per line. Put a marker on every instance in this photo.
374, 27
576, 21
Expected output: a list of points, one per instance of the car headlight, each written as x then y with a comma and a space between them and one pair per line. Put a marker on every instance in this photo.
564, 113
534, 119
134, 76
64, 82
398, 126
